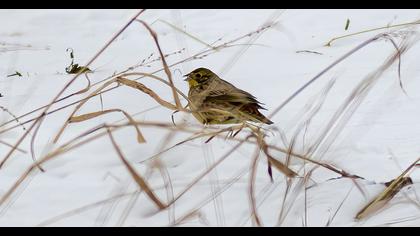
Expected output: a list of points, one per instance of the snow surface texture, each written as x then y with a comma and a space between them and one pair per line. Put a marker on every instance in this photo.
90, 185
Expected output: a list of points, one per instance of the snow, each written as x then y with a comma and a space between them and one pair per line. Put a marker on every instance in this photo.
378, 142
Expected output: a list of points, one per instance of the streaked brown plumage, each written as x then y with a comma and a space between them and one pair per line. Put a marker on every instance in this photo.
216, 101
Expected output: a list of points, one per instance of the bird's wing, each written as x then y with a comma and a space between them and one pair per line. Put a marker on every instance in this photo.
233, 95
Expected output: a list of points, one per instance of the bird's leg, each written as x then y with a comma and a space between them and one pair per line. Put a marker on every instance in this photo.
214, 134
230, 130
239, 130
258, 129
255, 129
229, 133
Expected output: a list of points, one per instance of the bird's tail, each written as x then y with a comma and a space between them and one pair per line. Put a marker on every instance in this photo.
266, 120
252, 110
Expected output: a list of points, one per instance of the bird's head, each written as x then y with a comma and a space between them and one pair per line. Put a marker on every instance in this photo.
198, 76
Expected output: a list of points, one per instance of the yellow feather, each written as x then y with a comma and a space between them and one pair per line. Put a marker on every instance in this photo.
192, 83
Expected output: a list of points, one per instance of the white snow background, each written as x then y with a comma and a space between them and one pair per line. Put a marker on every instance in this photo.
90, 186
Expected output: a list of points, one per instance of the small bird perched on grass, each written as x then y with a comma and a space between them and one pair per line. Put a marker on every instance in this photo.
216, 101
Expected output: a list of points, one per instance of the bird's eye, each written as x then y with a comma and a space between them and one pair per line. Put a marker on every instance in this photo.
198, 75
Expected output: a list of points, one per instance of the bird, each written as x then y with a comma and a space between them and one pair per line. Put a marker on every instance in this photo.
213, 100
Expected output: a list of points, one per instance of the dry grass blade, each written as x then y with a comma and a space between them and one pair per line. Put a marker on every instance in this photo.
32, 119
137, 177
82, 209
88, 116
253, 175
399, 62
281, 167
157, 164
165, 65
12, 189
188, 34
143, 88
277, 164
33, 145
143, 75
339, 207
384, 197
12, 115
328, 44
196, 135
324, 165
84, 90
169, 189
293, 189
10, 145
401, 220
75, 119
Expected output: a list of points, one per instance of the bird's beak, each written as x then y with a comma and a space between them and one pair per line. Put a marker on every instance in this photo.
187, 75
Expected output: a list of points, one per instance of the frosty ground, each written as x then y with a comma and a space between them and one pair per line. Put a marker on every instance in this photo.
90, 186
